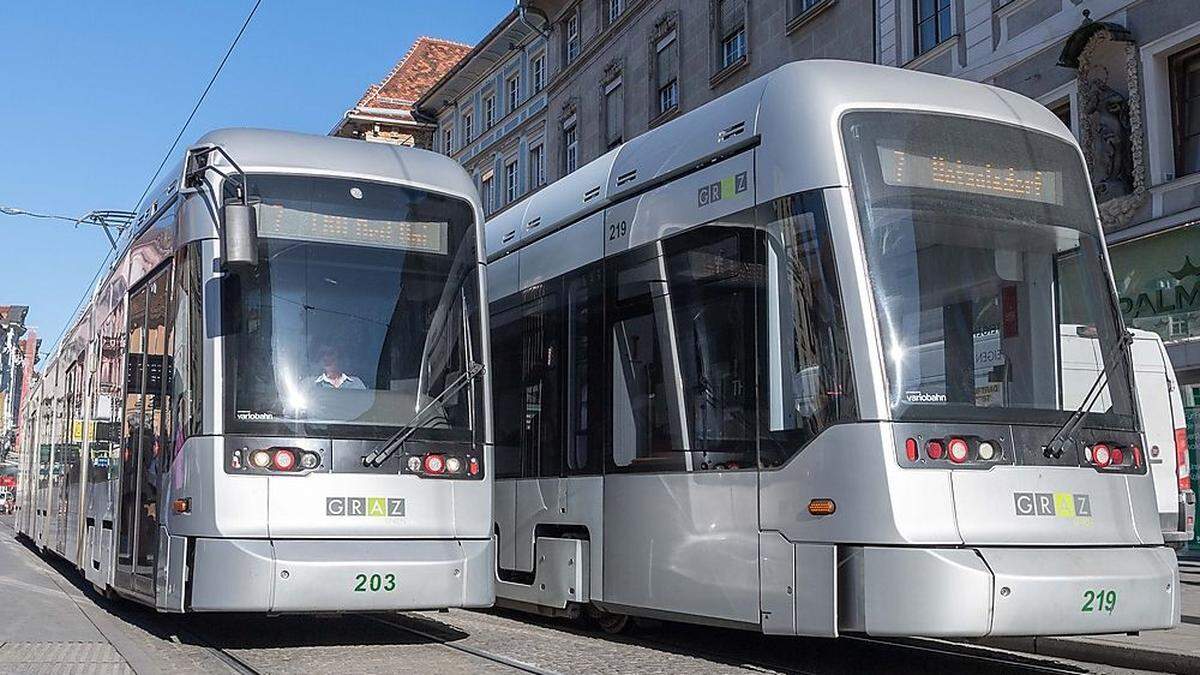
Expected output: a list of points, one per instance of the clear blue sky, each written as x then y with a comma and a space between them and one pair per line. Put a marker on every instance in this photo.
92, 93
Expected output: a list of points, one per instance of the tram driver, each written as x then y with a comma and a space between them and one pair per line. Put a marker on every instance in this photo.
332, 376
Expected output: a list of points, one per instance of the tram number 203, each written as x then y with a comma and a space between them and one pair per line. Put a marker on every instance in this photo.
1099, 600
374, 583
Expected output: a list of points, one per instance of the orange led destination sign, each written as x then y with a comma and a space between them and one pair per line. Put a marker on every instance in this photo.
905, 169
282, 222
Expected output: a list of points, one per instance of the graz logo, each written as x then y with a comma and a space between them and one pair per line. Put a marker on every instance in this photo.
377, 507
711, 194
1060, 504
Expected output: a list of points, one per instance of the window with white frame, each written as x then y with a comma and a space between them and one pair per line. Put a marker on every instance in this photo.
614, 113
537, 72
666, 72
798, 7
931, 24
448, 139
489, 111
1184, 70
487, 192
730, 33
468, 119
537, 166
512, 186
615, 7
570, 144
513, 85
571, 42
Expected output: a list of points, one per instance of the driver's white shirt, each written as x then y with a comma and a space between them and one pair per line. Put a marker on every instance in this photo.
346, 381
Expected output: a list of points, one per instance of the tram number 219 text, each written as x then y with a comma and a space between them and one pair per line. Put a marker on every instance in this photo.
1099, 600
374, 583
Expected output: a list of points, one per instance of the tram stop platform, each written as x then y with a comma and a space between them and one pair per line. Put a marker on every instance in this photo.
1173, 651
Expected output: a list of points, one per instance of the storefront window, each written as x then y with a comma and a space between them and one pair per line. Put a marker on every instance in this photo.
1158, 283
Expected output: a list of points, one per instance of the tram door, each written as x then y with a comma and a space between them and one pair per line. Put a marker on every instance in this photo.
143, 436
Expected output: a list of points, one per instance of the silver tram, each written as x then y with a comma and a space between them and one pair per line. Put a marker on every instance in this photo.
793, 362
276, 399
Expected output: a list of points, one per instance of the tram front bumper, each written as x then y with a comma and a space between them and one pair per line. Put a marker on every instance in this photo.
329, 575
975, 592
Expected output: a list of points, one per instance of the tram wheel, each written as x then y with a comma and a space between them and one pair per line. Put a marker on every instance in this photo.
609, 622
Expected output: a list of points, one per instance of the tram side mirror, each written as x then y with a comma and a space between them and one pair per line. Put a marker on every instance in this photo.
239, 236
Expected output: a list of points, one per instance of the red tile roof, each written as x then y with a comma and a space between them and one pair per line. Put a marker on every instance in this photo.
425, 63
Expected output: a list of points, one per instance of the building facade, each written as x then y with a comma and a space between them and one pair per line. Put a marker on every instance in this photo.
18, 346
385, 111
1125, 77
558, 83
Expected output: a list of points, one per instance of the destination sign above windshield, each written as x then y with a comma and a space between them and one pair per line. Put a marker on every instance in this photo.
285, 223
907, 169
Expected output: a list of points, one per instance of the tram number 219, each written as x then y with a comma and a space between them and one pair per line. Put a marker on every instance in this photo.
374, 583
1099, 600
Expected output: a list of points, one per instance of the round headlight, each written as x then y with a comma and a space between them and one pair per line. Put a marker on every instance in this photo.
958, 450
1101, 455
987, 451
310, 460
414, 464
453, 464
260, 459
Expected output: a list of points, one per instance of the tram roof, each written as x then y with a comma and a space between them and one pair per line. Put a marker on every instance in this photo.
796, 106
268, 150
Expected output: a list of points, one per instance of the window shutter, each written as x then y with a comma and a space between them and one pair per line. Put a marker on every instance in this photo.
667, 64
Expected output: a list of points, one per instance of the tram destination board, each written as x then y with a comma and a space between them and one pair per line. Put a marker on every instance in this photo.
284, 223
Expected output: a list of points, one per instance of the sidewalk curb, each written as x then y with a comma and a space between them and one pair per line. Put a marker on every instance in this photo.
1108, 653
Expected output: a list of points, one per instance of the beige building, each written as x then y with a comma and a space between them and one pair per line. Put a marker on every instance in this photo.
385, 111
557, 83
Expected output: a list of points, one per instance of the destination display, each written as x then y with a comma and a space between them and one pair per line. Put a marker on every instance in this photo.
284, 223
907, 169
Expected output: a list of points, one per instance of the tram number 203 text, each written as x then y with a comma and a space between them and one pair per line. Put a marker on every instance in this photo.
1099, 600
374, 583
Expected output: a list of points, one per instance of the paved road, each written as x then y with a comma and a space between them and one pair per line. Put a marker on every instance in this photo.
51, 621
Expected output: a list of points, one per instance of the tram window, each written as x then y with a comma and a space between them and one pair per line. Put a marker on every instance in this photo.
683, 351
528, 384
809, 384
584, 352
506, 391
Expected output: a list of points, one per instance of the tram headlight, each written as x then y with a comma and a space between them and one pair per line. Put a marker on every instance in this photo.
310, 460
260, 459
414, 464
1101, 456
435, 464
453, 464
987, 451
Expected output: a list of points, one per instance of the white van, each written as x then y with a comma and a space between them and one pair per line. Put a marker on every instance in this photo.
1161, 409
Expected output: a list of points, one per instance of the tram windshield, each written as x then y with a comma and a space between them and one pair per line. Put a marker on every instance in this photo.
362, 308
970, 229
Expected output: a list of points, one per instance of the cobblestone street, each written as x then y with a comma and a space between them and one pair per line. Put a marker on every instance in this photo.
54, 622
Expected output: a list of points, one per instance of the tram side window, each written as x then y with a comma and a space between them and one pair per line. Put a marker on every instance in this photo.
583, 356
683, 348
808, 376
527, 359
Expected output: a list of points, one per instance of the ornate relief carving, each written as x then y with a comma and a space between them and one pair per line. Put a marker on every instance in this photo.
664, 24
612, 69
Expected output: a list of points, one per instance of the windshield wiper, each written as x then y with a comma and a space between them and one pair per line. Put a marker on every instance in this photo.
1054, 447
391, 445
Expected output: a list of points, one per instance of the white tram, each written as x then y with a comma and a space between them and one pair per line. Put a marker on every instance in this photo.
738, 374
275, 399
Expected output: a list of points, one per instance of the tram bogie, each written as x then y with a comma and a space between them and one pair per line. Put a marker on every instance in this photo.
249, 421
800, 361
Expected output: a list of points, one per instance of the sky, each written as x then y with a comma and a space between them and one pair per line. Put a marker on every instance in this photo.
93, 92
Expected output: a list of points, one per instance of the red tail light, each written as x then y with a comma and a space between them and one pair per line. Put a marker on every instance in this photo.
934, 449
1137, 457
1101, 455
283, 460
1118, 457
958, 450
1181, 459
910, 449
435, 464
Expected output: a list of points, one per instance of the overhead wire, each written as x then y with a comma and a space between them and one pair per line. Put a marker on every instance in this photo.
104, 264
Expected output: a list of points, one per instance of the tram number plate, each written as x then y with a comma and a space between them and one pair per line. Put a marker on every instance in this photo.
1099, 601
374, 583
